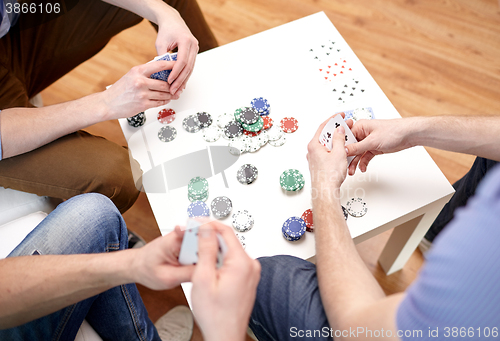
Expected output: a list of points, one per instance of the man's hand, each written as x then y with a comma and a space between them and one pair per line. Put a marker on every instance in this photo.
156, 263
328, 168
377, 137
223, 298
172, 33
136, 92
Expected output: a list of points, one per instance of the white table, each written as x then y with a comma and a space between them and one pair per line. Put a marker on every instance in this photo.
404, 191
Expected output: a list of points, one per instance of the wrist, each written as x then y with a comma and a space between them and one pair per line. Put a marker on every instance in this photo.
101, 108
414, 131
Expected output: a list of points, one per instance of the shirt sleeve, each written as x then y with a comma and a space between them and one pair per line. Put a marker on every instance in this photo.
459, 286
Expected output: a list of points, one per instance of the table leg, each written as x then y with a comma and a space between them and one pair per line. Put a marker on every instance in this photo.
406, 237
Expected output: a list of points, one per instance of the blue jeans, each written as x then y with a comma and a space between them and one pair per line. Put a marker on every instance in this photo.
288, 301
464, 189
88, 223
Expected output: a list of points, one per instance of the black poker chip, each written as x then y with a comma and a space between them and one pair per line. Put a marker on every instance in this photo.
249, 116
137, 120
247, 174
221, 207
233, 129
167, 134
204, 119
191, 124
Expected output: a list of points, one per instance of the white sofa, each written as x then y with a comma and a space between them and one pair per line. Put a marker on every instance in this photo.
20, 213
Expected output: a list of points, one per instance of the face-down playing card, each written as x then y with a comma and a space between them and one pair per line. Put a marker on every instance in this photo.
189, 248
163, 74
325, 138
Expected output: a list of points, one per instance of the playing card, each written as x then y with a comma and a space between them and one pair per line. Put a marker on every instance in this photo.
347, 90
189, 247
163, 74
325, 138
359, 114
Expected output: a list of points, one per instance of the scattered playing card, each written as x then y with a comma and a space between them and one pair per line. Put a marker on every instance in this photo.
189, 247
325, 138
348, 89
331, 62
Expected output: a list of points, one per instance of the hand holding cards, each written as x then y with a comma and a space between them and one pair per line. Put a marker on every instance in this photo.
325, 138
163, 75
189, 248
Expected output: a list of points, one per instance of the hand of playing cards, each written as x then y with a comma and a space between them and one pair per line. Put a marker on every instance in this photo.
326, 135
163, 75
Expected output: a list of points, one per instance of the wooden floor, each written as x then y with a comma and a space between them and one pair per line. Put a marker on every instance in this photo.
429, 57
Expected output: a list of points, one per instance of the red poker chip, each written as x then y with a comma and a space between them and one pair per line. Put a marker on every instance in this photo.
289, 124
307, 216
166, 116
251, 133
268, 122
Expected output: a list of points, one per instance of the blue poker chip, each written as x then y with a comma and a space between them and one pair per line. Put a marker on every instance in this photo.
198, 209
293, 228
261, 105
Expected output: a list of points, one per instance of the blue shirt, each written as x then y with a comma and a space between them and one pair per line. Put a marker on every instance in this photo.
459, 286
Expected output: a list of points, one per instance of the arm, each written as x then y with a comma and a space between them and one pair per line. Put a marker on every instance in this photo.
27, 293
351, 296
25, 129
470, 135
223, 298
172, 32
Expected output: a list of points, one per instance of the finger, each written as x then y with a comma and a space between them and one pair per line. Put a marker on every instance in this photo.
365, 160
338, 140
160, 96
179, 231
156, 66
354, 164
157, 85
359, 148
156, 103
320, 129
181, 274
349, 123
182, 60
208, 245
181, 81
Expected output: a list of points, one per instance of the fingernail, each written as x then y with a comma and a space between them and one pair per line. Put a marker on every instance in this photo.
174, 91
347, 151
205, 233
340, 130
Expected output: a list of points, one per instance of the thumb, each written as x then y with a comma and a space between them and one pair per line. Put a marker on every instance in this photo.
338, 140
156, 66
208, 246
359, 148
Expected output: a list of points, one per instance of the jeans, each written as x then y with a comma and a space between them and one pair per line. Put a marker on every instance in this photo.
288, 301
88, 223
464, 189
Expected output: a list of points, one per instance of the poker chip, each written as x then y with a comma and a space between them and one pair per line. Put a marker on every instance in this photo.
233, 129
205, 119
237, 114
294, 228
289, 124
274, 133
237, 146
307, 216
198, 189
137, 120
166, 116
191, 124
263, 139
249, 116
260, 104
356, 207
265, 113
268, 122
221, 207
346, 215
211, 134
292, 180
362, 114
242, 240
247, 174
254, 144
198, 209
203, 197
251, 133
167, 134
224, 119
242, 221
278, 143
257, 126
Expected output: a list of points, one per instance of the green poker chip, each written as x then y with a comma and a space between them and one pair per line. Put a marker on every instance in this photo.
203, 197
198, 186
292, 180
237, 114
257, 126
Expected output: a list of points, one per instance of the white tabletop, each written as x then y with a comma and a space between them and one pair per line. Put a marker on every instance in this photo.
277, 65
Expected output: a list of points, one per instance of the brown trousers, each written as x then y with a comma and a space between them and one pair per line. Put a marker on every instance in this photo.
32, 57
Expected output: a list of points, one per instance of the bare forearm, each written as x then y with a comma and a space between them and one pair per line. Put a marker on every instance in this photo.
36, 286
152, 10
345, 283
25, 129
470, 135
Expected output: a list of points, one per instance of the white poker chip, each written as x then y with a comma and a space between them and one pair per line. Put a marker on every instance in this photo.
356, 207
242, 240
211, 134
237, 146
274, 133
242, 221
167, 134
361, 114
254, 144
278, 143
263, 138
224, 119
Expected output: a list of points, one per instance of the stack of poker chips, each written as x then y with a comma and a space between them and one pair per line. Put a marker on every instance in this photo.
198, 189
221, 207
137, 120
198, 209
194, 123
292, 180
261, 105
293, 229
